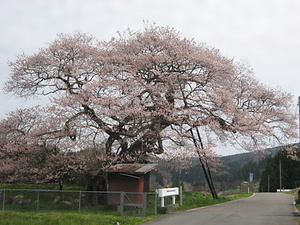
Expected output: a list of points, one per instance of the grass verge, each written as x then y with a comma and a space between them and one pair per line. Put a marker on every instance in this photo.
297, 201
191, 200
68, 218
197, 199
298, 207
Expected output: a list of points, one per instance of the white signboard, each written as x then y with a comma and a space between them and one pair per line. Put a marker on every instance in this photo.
168, 192
164, 192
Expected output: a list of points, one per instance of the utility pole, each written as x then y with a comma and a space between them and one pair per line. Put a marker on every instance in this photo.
280, 175
299, 116
268, 183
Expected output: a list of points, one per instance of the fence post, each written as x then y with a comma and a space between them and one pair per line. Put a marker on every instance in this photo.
3, 202
180, 195
155, 202
122, 203
144, 204
79, 206
38, 200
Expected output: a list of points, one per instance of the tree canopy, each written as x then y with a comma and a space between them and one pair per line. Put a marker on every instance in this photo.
140, 93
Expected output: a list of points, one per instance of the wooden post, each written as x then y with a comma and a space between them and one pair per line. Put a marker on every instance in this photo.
155, 202
3, 201
141, 190
79, 203
38, 201
144, 204
180, 195
122, 203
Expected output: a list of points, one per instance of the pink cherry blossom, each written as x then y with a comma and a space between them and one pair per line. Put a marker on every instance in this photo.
138, 95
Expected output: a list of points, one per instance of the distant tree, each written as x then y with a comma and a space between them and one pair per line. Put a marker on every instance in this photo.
159, 179
142, 92
290, 170
175, 183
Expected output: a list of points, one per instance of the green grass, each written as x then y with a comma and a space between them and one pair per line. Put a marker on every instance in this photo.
56, 216
191, 200
297, 206
297, 200
69, 218
197, 199
241, 195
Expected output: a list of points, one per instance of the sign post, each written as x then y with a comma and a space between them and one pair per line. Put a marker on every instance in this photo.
164, 192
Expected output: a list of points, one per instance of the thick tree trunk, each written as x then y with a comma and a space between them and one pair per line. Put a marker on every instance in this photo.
97, 183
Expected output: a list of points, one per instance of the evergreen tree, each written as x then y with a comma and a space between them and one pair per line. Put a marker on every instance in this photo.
286, 164
268, 181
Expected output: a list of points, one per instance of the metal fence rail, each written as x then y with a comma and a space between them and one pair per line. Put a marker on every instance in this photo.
127, 203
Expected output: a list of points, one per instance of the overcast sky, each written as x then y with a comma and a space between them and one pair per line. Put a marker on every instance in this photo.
264, 33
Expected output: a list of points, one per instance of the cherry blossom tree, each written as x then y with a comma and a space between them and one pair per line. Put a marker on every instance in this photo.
142, 92
26, 156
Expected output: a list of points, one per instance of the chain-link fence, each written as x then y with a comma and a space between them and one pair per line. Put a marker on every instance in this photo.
126, 203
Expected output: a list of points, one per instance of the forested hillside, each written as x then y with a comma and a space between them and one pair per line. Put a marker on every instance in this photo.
282, 171
233, 171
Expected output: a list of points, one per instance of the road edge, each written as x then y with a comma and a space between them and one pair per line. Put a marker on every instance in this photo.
202, 207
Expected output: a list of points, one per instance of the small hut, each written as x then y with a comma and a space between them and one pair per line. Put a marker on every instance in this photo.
129, 178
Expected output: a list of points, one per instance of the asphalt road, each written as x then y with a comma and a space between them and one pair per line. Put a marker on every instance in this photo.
260, 209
